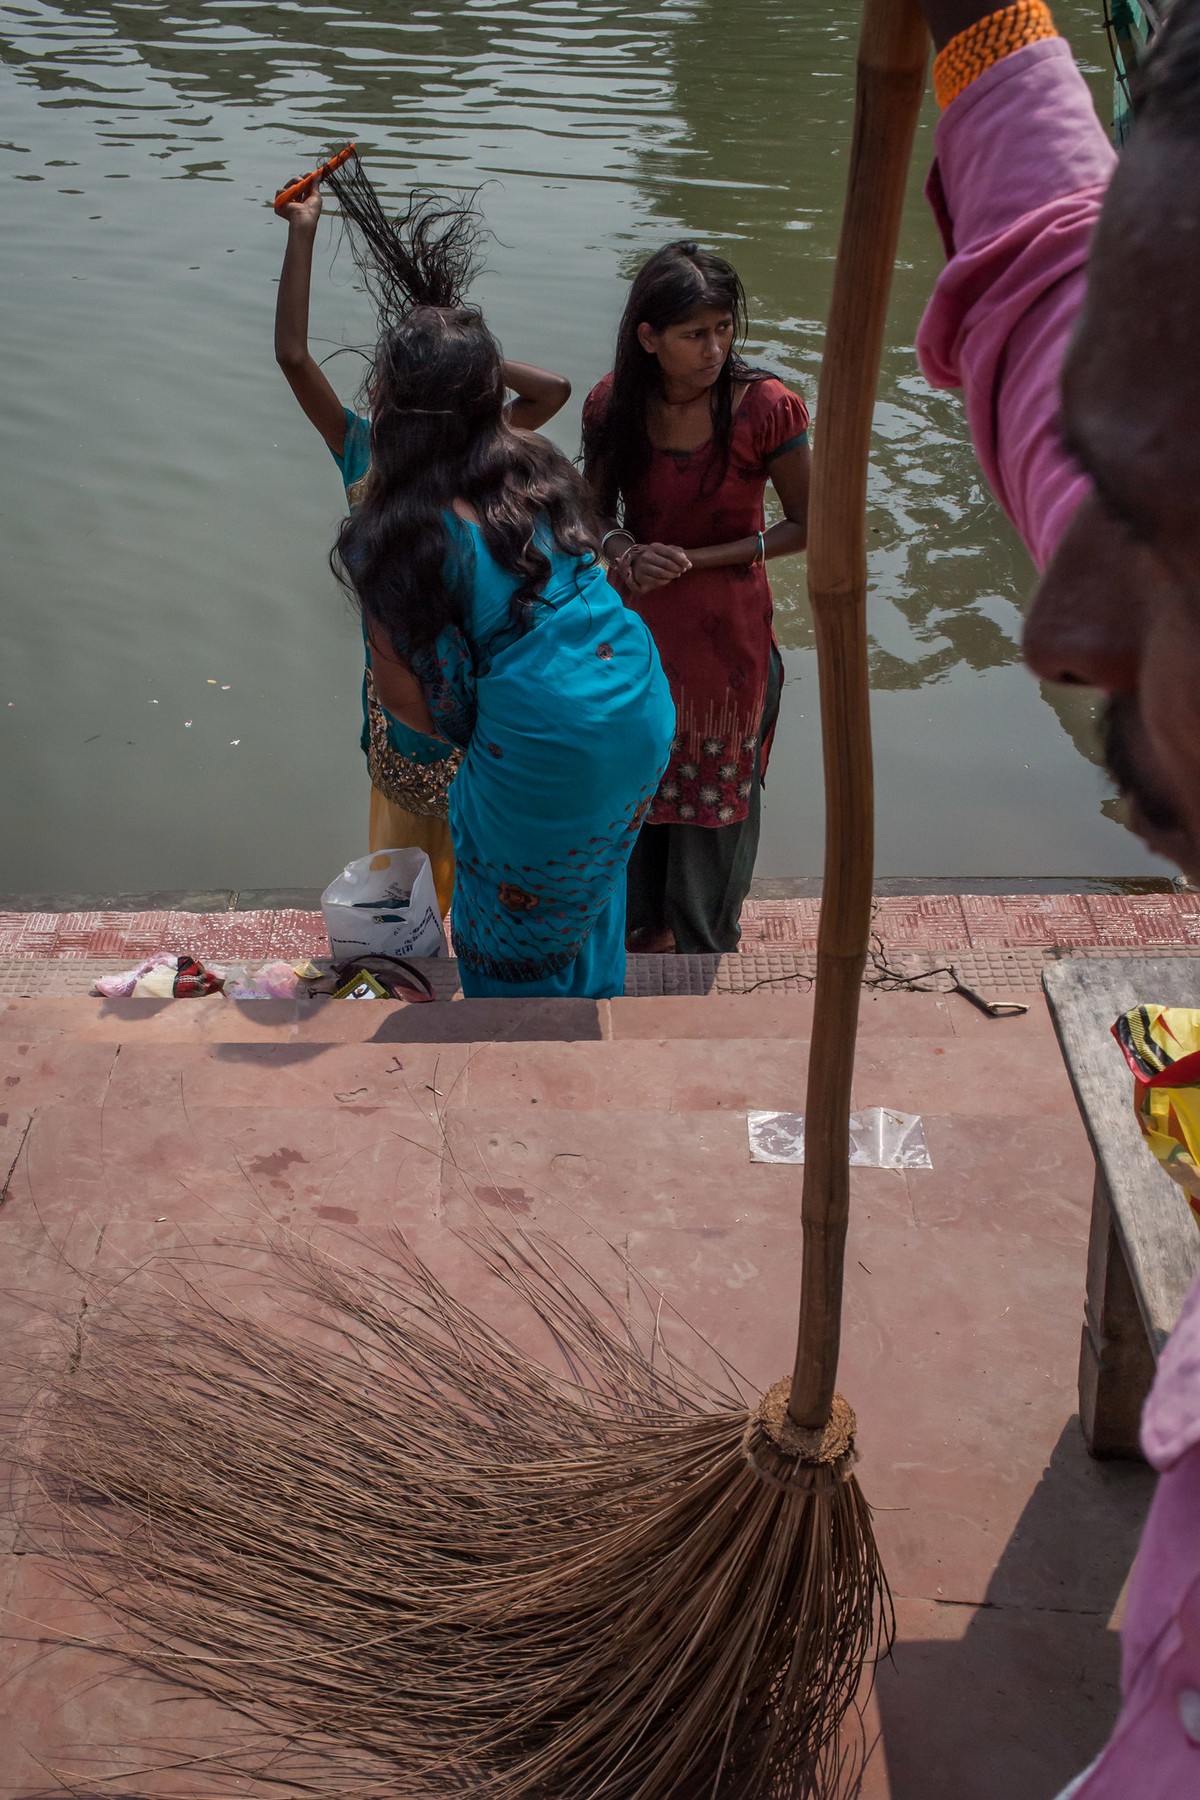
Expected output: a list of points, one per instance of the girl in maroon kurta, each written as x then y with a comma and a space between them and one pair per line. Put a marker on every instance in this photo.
680, 441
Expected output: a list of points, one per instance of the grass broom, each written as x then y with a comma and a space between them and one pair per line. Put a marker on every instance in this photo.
422, 1562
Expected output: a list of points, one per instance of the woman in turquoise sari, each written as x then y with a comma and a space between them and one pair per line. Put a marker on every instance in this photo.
473, 557
410, 772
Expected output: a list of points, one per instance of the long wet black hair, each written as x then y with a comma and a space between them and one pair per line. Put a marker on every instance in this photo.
676, 282
439, 433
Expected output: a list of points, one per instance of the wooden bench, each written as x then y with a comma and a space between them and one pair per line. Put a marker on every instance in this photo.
1144, 1247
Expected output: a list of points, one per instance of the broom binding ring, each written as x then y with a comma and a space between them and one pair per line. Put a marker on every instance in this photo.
786, 1455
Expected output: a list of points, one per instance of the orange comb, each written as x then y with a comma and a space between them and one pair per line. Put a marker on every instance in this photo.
296, 190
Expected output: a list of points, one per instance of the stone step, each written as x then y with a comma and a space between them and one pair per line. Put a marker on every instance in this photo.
144, 1180
907, 1058
768, 1016
758, 969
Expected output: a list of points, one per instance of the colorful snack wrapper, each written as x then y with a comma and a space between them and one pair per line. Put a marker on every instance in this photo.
1162, 1047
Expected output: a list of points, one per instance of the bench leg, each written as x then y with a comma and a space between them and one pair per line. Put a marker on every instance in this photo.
1116, 1365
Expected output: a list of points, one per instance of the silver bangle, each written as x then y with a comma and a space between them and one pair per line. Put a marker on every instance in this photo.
617, 531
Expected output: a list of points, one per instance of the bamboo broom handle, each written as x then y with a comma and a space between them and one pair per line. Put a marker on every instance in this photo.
892, 50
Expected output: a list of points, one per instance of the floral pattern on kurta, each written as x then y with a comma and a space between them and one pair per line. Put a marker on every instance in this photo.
713, 627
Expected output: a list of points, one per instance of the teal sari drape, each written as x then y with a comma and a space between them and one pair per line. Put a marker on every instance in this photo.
565, 725
566, 728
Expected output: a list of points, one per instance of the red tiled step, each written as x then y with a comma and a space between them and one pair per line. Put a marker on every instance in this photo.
937, 921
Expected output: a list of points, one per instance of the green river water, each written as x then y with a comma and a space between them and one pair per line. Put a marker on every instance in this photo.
179, 683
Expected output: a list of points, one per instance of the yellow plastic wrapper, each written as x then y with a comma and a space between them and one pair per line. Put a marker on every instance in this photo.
1162, 1047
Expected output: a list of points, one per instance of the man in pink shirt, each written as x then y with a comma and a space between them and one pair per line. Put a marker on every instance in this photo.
1069, 313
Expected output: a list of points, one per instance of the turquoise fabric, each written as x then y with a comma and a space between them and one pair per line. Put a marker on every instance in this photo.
353, 464
355, 459
567, 726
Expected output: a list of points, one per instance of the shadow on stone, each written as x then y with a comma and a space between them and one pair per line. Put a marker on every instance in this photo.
493, 1022
1017, 1695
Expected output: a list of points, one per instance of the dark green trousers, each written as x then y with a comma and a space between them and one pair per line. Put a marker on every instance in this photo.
695, 879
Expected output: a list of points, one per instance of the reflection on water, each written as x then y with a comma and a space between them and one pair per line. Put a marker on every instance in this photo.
180, 688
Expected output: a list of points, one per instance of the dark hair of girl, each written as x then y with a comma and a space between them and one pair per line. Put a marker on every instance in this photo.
675, 283
439, 433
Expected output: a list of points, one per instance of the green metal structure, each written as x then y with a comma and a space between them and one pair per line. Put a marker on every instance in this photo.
1131, 25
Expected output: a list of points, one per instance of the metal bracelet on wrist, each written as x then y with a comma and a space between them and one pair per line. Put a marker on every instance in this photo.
617, 531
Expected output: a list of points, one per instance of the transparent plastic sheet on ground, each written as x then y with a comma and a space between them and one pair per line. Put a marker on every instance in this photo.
879, 1139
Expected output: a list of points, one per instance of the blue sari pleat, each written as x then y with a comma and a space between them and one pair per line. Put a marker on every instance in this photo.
567, 730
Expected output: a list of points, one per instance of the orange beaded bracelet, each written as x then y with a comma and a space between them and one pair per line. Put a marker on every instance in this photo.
965, 57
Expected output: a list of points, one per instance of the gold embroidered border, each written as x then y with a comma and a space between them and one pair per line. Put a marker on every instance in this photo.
422, 789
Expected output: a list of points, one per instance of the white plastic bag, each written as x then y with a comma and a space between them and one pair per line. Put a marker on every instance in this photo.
384, 905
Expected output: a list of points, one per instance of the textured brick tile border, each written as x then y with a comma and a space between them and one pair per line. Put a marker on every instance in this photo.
216, 937
937, 922
995, 973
